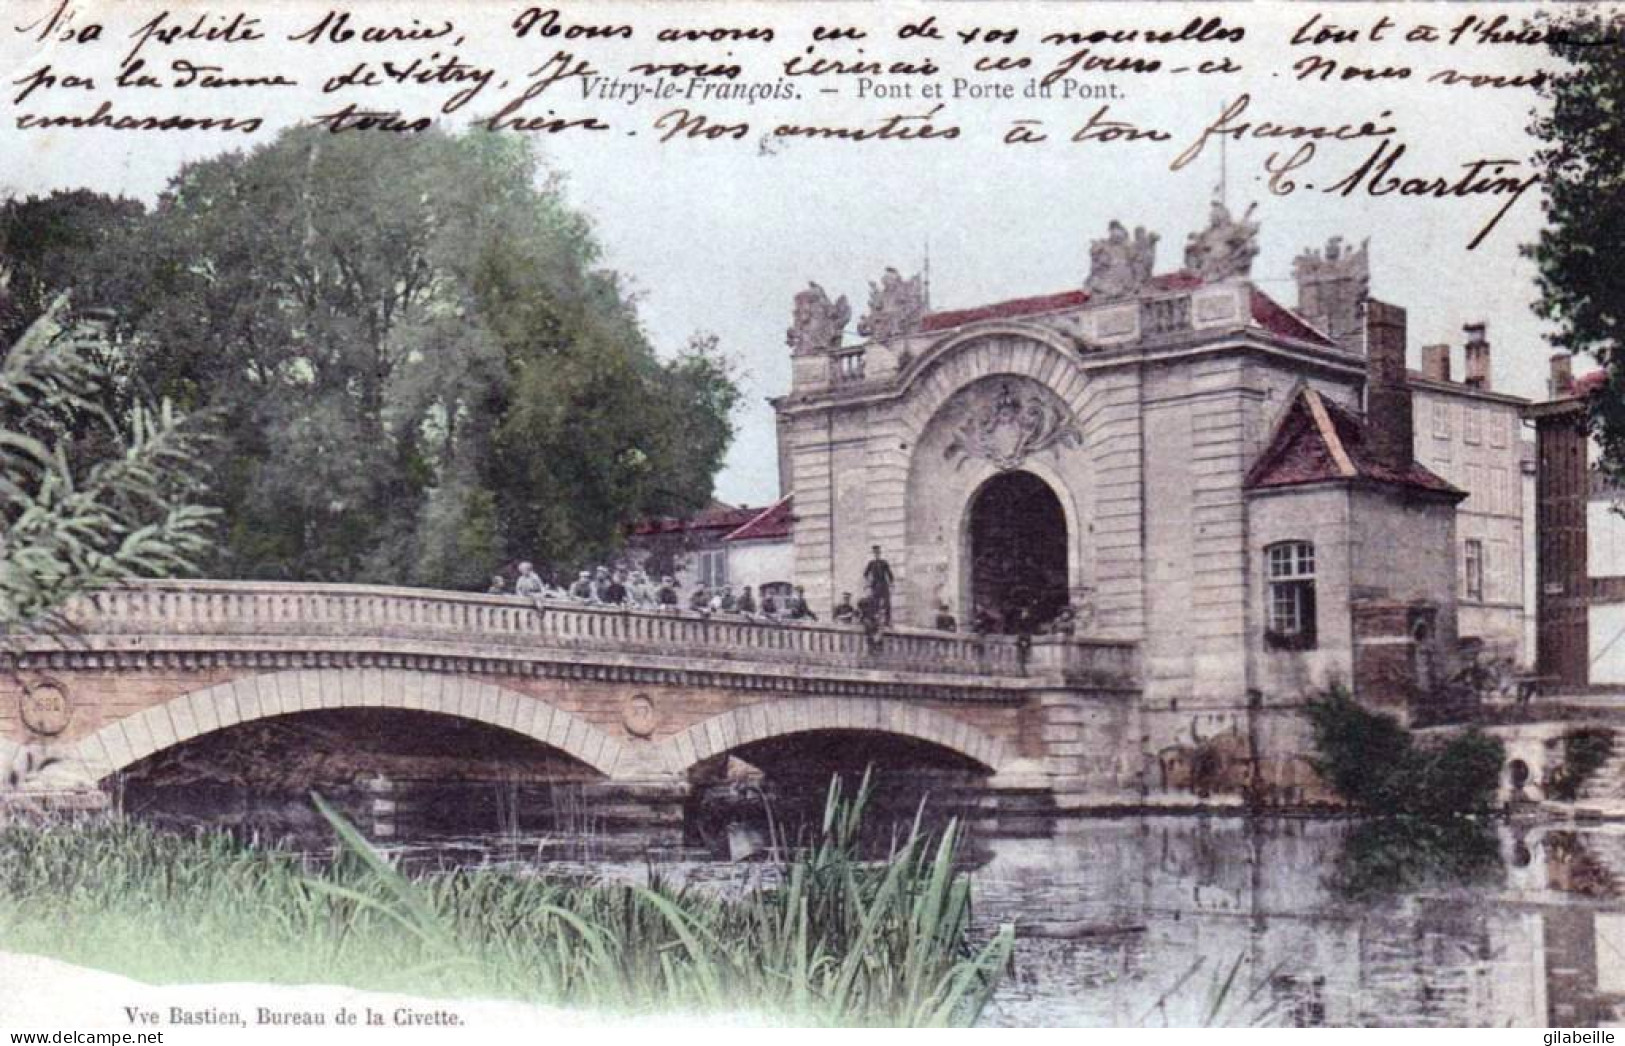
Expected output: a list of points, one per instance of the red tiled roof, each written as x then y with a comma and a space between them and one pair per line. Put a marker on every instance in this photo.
1266, 312
1585, 383
771, 524
1319, 441
716, 517
1275, 318
939, 321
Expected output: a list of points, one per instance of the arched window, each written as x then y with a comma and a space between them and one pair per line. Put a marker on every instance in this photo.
1290, 567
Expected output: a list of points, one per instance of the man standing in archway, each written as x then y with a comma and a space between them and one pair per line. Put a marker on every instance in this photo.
877, 576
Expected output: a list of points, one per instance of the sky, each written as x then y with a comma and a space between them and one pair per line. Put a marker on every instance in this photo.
719, 235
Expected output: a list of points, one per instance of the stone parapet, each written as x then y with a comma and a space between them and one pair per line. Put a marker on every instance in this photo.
309, 624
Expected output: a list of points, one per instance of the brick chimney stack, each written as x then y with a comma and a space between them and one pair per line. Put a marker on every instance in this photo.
1560, 384
1436, 362
1389, 425
1478, 357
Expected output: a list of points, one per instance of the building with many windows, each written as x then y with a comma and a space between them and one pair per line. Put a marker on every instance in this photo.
1473, 436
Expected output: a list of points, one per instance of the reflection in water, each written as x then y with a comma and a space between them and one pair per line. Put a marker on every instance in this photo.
1194, 898
1394, 856
1222, 920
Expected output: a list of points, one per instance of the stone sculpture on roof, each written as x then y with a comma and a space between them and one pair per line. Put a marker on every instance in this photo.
896, 306
1118, 265
818, 323
1226, 248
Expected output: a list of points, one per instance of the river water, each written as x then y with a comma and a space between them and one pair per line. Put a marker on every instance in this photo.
1185, 920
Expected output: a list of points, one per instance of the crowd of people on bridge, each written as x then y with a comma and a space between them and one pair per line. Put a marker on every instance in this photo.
634, 589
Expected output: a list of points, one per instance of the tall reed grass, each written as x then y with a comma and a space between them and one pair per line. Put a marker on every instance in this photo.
830, 939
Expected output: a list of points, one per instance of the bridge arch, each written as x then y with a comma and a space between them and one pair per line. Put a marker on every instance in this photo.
782, 717
261, 696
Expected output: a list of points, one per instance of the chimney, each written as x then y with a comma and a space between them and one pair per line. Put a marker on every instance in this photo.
1332, 284
1560, 385
1390, 429
1478, 357
1436, 362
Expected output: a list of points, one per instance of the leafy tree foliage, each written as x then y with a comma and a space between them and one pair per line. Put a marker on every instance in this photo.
68, 526
421, 368
1373, 762
46, 244
1582, 164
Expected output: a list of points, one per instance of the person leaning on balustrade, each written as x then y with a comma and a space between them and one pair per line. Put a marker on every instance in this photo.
797, 608
529, 585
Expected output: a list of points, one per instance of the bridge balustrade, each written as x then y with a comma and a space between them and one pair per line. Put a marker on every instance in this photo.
223, 609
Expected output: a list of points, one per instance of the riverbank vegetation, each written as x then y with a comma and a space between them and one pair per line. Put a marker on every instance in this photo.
1421, 797
828, 939
88, 496
1377, 765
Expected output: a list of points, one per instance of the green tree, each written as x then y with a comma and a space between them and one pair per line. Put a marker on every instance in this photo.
47, 243
67, 527
422, 369
1582, 165
1376, 764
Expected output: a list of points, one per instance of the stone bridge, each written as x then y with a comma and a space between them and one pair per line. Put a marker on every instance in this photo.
632, 695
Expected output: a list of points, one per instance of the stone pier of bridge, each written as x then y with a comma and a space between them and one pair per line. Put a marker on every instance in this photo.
634, 696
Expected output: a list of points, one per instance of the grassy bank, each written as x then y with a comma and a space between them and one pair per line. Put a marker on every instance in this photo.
838, 941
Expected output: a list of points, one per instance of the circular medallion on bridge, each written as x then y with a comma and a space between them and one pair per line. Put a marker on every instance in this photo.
45, 708
640, 716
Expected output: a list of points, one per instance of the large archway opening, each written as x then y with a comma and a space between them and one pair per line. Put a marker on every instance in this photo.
397, 774
1017, 555
775, 790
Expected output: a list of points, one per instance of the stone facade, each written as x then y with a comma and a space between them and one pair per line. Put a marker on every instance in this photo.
1145, 405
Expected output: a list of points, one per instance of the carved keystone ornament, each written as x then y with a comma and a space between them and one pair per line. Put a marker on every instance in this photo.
45, 708
639, 716
1005, 429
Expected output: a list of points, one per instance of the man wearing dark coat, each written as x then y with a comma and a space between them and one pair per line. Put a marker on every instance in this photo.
796, 607
877, 577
